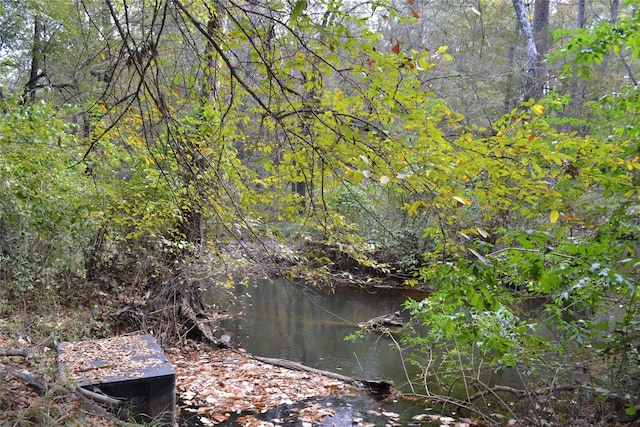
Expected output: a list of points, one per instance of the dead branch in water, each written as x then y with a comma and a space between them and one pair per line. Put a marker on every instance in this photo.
378, 388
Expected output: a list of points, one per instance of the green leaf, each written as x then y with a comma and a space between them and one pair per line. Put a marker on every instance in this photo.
553, 216
356, 177
298, 8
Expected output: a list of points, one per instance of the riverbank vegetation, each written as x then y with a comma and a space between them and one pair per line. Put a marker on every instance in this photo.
487, 151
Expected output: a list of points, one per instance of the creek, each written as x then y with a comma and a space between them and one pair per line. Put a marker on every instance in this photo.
283, 320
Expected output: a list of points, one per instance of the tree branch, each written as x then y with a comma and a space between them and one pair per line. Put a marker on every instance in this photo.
41, 386
522, 393
26, 353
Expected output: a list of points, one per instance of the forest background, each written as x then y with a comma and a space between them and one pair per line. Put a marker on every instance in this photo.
487, 149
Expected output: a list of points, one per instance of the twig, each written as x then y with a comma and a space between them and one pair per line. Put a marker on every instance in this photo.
499, 251
40, 386
358, 360
102, 399
404, 366
448, 400
87, 399
504, 404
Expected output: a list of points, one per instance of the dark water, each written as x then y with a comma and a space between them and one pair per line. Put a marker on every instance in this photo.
283, 320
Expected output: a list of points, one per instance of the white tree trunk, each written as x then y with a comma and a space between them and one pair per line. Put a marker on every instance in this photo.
533, 57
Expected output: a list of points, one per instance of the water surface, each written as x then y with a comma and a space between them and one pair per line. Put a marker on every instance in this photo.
283, 320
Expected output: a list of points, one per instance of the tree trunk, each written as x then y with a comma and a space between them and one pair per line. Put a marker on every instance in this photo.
541, 27
535, 70
36, 59
614, 11
580, 21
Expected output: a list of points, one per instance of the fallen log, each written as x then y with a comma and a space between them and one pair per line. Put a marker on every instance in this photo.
379, 389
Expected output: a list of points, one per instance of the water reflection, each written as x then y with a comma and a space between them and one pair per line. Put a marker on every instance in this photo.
283, 320
345, 411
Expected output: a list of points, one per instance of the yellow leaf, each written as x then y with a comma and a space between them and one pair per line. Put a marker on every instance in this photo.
411, 282
553, 217
537, 109
462, 200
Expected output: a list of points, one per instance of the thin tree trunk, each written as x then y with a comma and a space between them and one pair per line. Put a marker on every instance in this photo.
613, 18
615, 4
510, 93
36, 59
195, 165
210, 82
580, 21
533, 57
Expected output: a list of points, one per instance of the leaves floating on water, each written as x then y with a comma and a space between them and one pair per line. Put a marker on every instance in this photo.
217, 384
